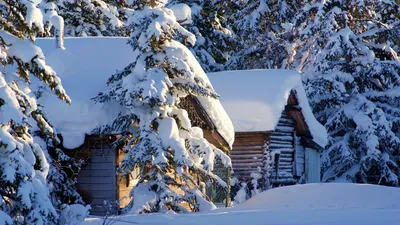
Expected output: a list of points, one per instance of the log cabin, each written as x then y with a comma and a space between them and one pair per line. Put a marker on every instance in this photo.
84, 67
276, 134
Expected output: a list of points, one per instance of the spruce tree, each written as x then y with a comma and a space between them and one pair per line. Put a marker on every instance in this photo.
159, 138
266, 33
215, 41
24, 165
352, 74
87, 17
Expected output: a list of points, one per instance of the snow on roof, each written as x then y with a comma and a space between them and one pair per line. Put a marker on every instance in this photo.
84, 68
255, 99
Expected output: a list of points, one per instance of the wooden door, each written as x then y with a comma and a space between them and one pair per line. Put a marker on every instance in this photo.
313, 167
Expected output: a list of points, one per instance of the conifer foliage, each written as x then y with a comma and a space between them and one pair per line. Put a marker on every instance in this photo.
87, 17
352, 73
24, 164
215, 40
159, 137
266, 33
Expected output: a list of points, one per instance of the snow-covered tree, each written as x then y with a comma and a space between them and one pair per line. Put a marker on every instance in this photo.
352, 74
61, 177
30, 180
160, 139
207, 20
266, 33
88, 17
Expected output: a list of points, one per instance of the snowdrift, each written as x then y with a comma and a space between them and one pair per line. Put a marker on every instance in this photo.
325, 196
310, 204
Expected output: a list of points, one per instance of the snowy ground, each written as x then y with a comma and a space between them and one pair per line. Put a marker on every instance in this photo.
312, 204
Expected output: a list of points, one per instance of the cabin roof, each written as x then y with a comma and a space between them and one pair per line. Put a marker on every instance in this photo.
255, 99
84, 68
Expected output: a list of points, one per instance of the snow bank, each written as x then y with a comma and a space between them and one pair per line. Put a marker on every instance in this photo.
325, 196
311, 204
255, 99
84, 68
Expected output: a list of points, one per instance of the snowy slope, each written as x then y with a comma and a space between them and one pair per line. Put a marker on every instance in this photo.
255, 99
311, 204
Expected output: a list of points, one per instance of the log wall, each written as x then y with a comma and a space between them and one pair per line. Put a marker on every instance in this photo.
247, 153
281, 147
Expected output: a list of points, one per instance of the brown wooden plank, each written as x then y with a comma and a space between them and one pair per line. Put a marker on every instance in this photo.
252, 143
250, 156
246, 165
246, 152
249, 138
260, 147
238, 161
246, 134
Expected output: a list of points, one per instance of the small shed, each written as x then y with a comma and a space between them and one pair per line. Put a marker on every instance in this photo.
84, 67
276, 133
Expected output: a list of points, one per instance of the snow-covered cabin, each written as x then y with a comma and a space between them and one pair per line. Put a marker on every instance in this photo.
276, 132
84, 67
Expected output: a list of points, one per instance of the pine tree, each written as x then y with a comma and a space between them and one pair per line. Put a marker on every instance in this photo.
215, 40
351, 70
88, 17
159, 137
266, 33
61, 178
24, 165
